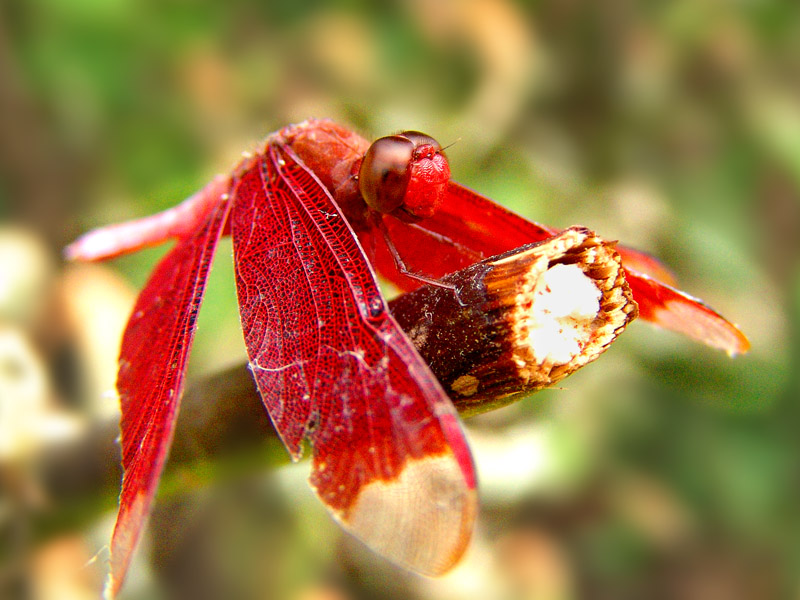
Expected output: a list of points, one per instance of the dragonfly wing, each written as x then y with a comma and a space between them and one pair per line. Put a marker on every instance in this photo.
179, 221
468, 227
465, 229
390, 460
487, 226
673, 309
152, 365
643, 264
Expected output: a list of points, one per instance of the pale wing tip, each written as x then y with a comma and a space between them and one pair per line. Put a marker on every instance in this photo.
116, 574
111, 587
94, 245
739, 344
704, 325
131, 520
729, 339
74, 250
421, 520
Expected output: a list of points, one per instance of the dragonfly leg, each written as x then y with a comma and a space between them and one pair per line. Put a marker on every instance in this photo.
377, 219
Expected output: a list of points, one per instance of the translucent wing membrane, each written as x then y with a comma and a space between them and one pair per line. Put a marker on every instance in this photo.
389, 458
675, 310
181, 221
151, 375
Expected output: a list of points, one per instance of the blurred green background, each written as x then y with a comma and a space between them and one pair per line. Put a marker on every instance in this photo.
663, 470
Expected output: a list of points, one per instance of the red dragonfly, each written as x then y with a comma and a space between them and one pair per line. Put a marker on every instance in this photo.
313, 215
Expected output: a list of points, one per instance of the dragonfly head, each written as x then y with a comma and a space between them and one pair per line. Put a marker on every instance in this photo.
404, 175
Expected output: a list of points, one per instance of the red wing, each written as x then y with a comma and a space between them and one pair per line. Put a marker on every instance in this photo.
152, 364
673, 309
468, 227
390, 460
644, 264
179, 221
508, 230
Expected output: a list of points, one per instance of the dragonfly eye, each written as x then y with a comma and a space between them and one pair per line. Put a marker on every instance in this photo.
422, 141
385, 172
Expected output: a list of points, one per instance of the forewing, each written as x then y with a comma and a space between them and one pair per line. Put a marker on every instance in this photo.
152, 365
469, 227
178, 222
390, 460
675, 310
465, 229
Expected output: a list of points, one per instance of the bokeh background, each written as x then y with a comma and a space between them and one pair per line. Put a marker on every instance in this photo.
663, 470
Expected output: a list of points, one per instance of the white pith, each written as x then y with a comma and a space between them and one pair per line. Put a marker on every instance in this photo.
565, 304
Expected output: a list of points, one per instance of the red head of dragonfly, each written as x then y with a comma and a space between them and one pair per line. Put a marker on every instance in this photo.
404, 175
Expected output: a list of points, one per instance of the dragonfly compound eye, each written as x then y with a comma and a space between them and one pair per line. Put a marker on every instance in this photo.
424, 145
385, 172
